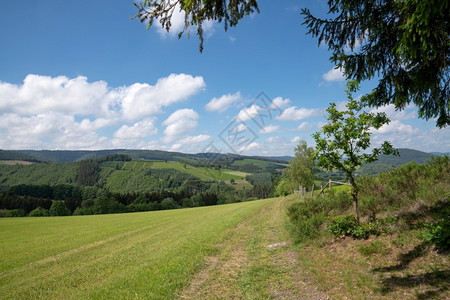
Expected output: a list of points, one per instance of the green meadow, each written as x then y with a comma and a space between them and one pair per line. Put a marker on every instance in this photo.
149, 255
199, 172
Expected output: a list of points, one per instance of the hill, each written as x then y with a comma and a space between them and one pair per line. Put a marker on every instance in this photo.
388, 163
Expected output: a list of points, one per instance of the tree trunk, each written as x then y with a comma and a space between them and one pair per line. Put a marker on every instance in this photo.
354, 196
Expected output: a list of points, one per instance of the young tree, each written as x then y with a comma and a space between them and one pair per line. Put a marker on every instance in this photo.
343, 141
301, 168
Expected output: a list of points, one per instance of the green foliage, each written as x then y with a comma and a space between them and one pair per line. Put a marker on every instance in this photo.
39, 212
5, 213
169, 203
59, 208
300, 170
405, 43
260, 179
196, 12
88, 172
342, 142
438, 232
343, 225
39, 174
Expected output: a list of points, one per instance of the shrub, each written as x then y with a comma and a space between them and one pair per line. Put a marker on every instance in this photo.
438, 232
12, 213
39, 212
169, 203
59, 208
343, 225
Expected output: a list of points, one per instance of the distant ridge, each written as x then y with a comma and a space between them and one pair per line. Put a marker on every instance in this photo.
406, 155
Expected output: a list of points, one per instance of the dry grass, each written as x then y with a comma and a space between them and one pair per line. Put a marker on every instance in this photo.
408, 269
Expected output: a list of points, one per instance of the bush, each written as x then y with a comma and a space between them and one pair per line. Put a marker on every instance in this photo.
59, 208
438, 232
169, 203
12, 213
39, 212
343, 225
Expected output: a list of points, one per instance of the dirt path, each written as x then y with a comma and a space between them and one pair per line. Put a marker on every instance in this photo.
255, 260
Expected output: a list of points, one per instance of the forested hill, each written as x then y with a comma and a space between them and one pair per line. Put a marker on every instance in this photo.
78, 155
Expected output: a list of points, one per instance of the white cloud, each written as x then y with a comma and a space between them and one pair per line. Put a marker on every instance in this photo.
334, 75
295, 114
139, 130
179, 123
143, 99
223, 103
195, 139
296, 139
249, 147
274, 139
248, 113
397, 127
67, 113
269, 129
189, 143
280, 103
394, 114
304, 126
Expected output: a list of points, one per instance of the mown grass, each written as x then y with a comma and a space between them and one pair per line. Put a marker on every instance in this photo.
257, 162
149, 255
199, 172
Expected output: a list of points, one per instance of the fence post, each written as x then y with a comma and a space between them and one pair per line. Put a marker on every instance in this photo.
329, 184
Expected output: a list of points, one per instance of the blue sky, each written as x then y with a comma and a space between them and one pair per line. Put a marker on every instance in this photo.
82, 75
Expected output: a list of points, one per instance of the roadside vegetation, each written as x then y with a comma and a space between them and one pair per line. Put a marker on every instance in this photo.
398, 248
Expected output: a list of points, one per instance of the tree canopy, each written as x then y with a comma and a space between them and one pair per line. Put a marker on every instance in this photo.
342, 142
404, 43
196, 13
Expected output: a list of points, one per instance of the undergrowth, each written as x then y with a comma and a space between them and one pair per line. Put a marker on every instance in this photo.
410, 197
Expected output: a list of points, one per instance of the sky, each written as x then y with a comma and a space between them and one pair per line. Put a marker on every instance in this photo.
82, 75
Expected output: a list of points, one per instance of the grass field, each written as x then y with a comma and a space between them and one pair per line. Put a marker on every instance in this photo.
142, 255
202, 173
256, 162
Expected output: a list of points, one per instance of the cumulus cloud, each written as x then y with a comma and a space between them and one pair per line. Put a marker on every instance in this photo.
224, 102
395, 114
279, 103
249, 147
67, 113
189, 143
334, 75
304, 126
248, 113
269, 129
138, 130
296, 139
179, 123
295, 114
143, 99
274, 139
